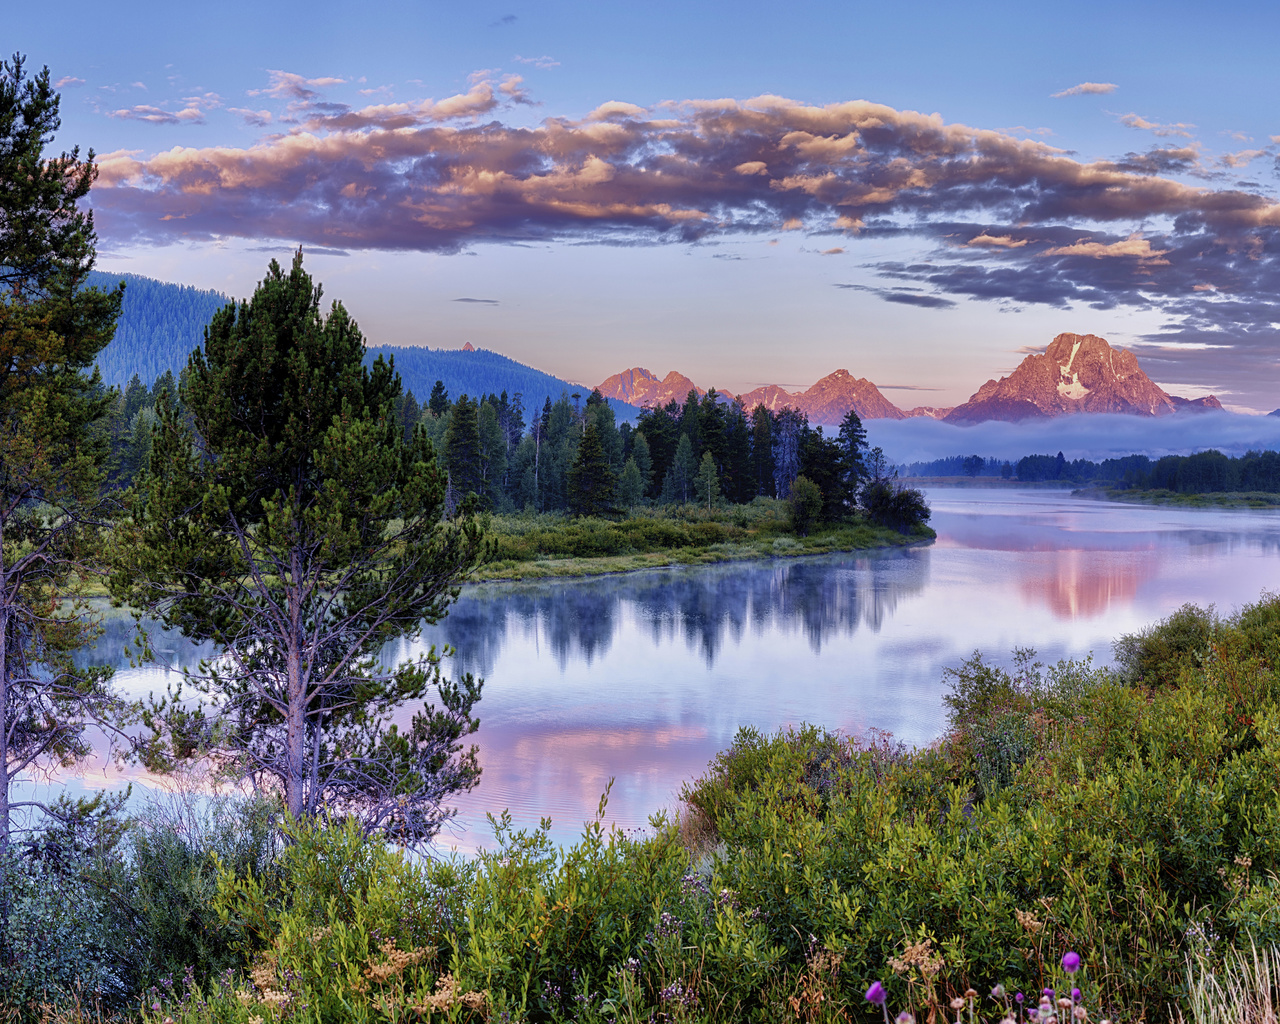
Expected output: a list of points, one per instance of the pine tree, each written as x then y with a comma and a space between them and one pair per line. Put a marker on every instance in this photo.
291, 525
706, 485
462, 448
683, 468
591, 480
438, 403
630, 484
53, 444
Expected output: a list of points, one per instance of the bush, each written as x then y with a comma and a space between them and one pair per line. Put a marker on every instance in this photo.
899, 508
804, 504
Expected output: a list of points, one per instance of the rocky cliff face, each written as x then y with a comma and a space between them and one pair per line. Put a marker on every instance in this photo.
1076, 373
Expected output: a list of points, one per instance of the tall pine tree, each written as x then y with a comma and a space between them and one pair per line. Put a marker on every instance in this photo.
294, 527
52, 447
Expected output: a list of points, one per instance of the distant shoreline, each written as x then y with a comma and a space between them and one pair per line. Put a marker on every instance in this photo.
548, 569
1220, 499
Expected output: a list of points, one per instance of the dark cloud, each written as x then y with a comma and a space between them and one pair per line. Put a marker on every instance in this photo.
486, 302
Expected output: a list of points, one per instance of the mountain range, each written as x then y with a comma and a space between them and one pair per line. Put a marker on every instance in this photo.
1075, 374
161, 323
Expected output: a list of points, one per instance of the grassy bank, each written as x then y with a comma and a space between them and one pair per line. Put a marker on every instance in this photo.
1128, 816
534, 546
1221, 499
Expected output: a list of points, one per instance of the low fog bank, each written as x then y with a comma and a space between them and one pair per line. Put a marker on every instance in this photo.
1084, 436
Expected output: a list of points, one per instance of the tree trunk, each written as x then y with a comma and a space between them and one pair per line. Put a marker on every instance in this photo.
295, 703
4, 722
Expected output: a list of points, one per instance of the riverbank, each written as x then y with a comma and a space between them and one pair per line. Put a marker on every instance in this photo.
1222, 499
549, 546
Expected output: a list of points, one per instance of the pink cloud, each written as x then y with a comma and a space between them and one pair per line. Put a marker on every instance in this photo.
1087, 89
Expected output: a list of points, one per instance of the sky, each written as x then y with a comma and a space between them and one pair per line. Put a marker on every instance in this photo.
748, 193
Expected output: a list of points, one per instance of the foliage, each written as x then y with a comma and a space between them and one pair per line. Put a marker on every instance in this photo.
52, 452
888, 503
284, 518
804, 503
591, 482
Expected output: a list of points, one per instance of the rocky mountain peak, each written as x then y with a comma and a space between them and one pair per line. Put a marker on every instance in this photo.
1075, 373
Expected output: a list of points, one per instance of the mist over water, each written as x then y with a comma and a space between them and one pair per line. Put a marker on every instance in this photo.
1091, 436
644, 677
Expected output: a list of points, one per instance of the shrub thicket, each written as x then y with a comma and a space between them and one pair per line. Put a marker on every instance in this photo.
1130, 815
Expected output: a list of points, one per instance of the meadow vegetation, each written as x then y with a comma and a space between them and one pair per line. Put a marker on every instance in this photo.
1128, 815
532, 545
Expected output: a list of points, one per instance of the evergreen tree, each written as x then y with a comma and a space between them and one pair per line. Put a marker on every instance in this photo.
788, 435
462, 448
591, 480
408, 414
852, 438
630, 484
438, 403
683, 469
661, 431
762, 450
53, 444
293, 526
493, 455
643, 460
706, 485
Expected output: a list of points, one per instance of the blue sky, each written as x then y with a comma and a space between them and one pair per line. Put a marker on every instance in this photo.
919, 194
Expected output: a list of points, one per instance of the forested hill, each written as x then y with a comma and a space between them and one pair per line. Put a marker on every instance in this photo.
160, 324
481, 372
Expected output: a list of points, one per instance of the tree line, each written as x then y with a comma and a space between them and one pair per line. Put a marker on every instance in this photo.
1206, 472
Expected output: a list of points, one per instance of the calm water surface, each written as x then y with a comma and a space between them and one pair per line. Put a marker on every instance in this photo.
643, 678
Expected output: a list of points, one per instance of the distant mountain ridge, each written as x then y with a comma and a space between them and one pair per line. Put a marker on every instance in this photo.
825, 403
161, 324
1077, 373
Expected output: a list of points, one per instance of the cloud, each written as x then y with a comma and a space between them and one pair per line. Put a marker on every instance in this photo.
485, 302
68, 82
506, 19
538, 62
997, 241
836, 251
287, 85
192, 112
994, 217
1134, 246
1161, 130
253, 118
1086, 89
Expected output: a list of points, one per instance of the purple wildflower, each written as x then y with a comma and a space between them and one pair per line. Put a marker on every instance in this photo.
876, 994
1071, 962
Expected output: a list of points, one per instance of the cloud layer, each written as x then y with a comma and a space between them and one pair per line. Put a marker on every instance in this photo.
1002, 218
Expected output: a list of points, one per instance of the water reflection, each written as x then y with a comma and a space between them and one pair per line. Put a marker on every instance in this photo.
644, 677
705, 608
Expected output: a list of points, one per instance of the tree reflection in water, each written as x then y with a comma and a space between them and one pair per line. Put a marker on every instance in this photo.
706, 606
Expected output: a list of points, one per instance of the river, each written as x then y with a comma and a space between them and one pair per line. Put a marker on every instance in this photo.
642, 678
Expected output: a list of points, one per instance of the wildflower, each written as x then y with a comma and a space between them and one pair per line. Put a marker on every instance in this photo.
1080, 1013
970, 994
997, 992
1071, 962
905, 1018
876, 994
957, 1003
1018, 998
1075, 995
